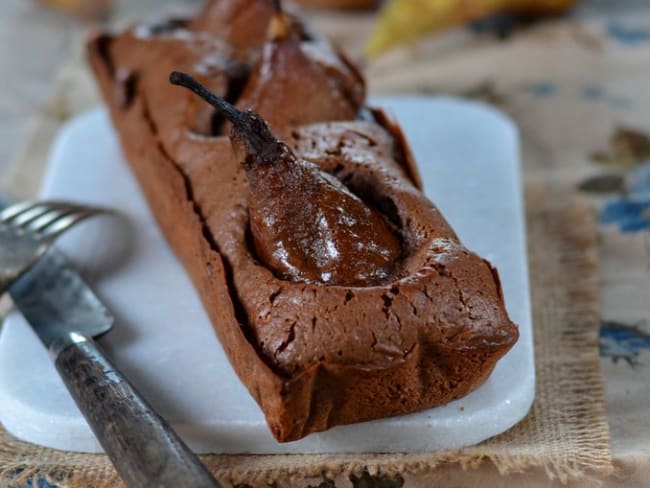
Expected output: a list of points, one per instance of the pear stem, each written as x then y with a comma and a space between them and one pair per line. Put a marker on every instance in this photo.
279, 28
248, 127
183, 79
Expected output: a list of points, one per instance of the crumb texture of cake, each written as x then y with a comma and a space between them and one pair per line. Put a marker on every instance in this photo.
337, 289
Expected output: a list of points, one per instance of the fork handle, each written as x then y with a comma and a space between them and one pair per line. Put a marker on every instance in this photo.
141, 445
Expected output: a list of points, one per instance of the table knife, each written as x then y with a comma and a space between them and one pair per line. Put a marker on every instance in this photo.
66, 315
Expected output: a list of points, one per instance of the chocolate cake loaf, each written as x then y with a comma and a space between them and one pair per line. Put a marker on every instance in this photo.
337, 289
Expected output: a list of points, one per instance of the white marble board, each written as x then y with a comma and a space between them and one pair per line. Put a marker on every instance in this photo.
469, 159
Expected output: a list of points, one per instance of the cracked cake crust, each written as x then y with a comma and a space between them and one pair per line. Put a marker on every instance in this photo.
312, 355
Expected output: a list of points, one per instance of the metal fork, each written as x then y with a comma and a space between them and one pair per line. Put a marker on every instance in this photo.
27, 230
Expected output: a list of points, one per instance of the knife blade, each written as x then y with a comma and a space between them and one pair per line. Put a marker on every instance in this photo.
66, 314
56, 301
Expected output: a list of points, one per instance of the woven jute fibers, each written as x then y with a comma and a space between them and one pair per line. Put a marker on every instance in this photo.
565, 433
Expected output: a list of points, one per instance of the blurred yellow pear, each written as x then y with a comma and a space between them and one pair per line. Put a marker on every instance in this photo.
88, 9
401, 21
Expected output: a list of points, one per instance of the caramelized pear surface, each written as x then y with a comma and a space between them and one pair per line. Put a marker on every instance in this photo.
300, 79
305, 224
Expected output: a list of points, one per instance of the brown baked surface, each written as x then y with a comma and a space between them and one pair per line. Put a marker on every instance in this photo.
313, 356
341, 4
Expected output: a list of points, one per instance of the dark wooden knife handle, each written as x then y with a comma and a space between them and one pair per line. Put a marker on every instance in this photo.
144, 449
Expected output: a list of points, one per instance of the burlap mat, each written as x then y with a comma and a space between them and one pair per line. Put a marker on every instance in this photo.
565, 434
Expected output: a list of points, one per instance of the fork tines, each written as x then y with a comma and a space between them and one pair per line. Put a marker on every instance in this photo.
47, 217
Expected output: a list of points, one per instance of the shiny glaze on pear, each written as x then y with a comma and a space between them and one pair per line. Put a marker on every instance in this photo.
305, 224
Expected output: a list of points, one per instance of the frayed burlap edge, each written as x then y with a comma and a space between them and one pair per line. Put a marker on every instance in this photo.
565, 434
